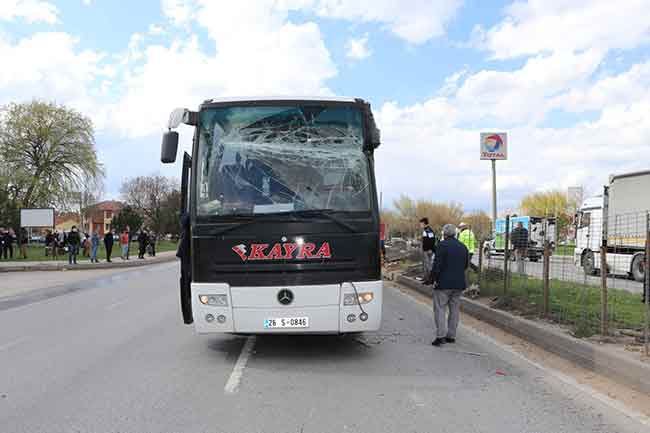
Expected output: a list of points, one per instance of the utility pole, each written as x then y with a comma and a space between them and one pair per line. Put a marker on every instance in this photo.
494, 192
494, 145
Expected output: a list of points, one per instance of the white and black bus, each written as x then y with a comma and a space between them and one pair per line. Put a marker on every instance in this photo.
280, 215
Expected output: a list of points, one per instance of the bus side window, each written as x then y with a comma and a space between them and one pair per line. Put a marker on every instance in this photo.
585, 220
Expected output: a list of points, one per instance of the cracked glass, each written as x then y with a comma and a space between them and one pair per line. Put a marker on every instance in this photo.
274, 159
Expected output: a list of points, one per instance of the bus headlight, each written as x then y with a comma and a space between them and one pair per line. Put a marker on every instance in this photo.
364, 298
215, 300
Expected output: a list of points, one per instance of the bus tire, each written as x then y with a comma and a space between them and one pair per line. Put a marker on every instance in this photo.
588, 263
638, 267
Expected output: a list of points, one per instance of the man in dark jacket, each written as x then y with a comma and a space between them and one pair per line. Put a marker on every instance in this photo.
108, 244
9, 239
429, 242
73, 241
142, 243
519, 241
452, 258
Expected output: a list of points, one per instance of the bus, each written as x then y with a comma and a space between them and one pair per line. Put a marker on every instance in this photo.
280, 216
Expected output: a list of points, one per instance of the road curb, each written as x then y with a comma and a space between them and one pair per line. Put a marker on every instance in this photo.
632, 373
82, 267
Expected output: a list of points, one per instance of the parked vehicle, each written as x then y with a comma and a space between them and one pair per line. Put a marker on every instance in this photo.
618, 216
539, 230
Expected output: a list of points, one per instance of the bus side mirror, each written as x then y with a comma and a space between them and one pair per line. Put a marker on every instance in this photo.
169, 147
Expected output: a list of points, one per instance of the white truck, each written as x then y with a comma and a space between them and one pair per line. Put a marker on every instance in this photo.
617, 219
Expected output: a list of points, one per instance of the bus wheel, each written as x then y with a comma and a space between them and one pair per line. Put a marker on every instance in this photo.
588, 263
638, 267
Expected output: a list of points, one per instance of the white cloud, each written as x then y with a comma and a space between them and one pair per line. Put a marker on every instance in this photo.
87, 2
49, 66
416, 21
258, 51
524, 94
178, 11
431, 137
539, 26
32, 11
628, 87
357, 48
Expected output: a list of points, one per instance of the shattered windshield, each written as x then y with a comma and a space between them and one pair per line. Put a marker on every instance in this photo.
270, 159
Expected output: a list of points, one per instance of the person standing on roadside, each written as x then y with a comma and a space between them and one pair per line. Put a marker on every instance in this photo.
56, 244
124, 244
94, 246
429, 243
10, 237
152, 244
142, 243
85, 244
109, 238
448, 274
73, 241
519, 241
22, 242
2, 243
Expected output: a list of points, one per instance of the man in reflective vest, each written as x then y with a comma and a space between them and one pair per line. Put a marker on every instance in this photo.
467, 238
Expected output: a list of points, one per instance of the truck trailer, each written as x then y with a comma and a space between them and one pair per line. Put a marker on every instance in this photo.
616, 220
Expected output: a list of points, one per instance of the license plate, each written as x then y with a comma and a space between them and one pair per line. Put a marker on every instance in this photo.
286, 322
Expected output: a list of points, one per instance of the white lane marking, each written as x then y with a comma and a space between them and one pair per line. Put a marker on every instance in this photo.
567, 380
13, 343
240, 365
115, 304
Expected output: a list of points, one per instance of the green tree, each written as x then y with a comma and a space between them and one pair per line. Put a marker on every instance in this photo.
47, 152
128, 217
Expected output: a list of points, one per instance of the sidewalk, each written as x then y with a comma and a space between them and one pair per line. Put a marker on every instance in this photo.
61, 265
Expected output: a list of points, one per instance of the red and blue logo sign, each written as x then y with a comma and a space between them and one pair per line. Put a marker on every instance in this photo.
493, 143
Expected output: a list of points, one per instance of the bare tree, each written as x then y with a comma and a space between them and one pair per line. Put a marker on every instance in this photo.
149, 195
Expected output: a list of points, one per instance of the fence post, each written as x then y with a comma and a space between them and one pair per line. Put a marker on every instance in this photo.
604, 314
646, 286
545, 276
506, 255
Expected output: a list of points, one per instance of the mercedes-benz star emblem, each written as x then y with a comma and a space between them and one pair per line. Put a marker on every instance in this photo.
285, 296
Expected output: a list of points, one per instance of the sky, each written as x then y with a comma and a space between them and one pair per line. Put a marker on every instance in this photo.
568, 80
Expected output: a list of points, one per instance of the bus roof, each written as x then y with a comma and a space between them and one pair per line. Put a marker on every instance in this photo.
281, 98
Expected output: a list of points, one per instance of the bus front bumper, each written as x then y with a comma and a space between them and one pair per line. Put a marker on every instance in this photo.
257, 310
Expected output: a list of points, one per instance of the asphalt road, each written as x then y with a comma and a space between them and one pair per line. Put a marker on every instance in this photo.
562, 268
113, 356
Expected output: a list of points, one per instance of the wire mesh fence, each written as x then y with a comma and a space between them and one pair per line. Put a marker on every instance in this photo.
595, 285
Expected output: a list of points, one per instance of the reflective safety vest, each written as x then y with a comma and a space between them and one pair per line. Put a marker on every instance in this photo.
467, 238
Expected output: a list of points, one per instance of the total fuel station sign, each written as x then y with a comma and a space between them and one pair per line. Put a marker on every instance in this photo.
494, 145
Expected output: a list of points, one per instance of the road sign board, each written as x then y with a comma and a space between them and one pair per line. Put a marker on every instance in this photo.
37, 217
494, 145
